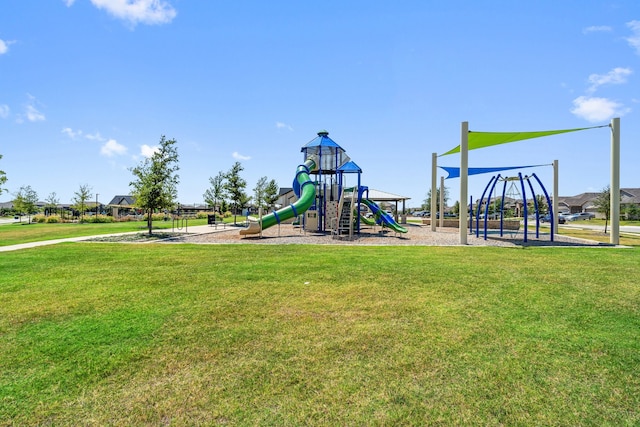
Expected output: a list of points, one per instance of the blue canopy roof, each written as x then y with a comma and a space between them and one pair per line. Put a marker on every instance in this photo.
454, 172
350, 167
322, 140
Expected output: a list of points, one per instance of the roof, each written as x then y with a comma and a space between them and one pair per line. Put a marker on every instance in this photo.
322, 140
284, 190
350, 167
585, 200
382, 196
122, 201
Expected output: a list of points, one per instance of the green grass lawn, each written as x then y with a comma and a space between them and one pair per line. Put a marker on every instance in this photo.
109, 334
13, 234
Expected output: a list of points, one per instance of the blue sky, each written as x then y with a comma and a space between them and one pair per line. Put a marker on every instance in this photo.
87, 88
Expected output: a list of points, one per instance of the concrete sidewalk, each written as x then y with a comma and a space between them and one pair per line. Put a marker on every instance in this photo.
198, 229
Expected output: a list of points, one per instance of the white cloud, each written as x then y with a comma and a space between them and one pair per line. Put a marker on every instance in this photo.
73, 134
239, 156
33, 115
597, 109
147, 151
4, 45
112, 148
94, 137
614, 77
4, 111
69, 3
597, 29
281, 125
634, 40
138, 11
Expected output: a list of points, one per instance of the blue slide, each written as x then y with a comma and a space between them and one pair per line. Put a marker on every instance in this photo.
383, 218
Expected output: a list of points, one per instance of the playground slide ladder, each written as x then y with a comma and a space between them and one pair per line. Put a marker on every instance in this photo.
345, 218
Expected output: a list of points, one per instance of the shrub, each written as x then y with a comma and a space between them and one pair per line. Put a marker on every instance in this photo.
157, 217
54, 219
101, 219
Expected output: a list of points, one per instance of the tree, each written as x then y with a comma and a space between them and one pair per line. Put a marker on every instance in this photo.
633, 212
272, 193
80, 199
259, 191
427, 202
3, 178
265, 194
542, 204
234, 187
51, 202
603, 204
215, 194
456, 207
156, 183
25, 201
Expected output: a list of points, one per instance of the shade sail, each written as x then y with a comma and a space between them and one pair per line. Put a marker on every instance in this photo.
454, 172
487, 139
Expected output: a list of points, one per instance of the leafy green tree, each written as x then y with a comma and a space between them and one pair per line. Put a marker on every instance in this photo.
542, 204
603, 204
155, 184
456, 208
234, 187
51, 202
3, 179
215, 194
259, 191
426, 204
633, 212
272, 193
25, 201
265, 194
80, 199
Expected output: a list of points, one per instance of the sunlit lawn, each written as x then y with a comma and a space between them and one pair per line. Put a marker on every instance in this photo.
12, 234
109, 334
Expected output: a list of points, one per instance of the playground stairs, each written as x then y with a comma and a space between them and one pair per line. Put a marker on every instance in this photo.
344, 223
344, 229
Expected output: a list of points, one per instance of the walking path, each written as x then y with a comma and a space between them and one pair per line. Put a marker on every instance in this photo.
198, 229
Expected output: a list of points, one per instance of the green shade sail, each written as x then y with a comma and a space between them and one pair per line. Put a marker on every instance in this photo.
487, 139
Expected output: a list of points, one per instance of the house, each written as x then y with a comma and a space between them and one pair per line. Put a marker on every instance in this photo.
584, 202
122, 205
587, 202
286, 197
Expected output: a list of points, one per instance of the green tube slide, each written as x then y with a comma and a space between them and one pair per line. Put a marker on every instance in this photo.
304, 202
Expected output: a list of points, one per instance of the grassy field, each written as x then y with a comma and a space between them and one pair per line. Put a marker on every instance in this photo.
109, 334
13, 234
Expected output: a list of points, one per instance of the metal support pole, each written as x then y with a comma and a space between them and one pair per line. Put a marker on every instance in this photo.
441, 201
434, 173
615, 181
555, 197
464, 176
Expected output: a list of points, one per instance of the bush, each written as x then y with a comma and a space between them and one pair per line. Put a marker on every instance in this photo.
157, 217
51, 219
205, 215
101, 219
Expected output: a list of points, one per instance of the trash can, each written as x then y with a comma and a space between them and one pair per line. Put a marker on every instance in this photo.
211, 219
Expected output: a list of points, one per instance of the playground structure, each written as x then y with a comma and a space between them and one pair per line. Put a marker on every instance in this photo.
514, 192
470, 140
324, 203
